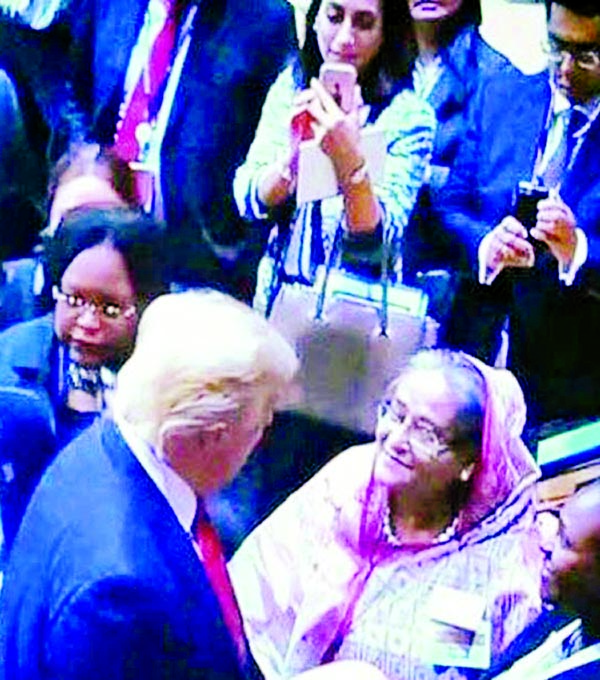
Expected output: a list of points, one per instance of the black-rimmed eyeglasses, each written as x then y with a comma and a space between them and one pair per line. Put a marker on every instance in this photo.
587, 59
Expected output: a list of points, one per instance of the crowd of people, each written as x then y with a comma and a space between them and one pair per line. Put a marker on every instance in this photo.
152, 155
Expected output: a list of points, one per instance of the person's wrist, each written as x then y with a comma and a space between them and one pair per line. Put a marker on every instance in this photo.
285, 171
358, 174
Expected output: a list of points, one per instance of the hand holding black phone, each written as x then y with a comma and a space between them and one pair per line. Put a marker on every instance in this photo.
527, 197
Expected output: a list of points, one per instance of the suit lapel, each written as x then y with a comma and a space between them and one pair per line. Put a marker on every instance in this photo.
120, 29
199, 67
174, 544
585, 167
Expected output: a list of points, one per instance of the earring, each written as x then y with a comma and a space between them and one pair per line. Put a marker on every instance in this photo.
465, 474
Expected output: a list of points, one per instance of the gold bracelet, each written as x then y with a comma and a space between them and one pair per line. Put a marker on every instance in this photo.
358, 175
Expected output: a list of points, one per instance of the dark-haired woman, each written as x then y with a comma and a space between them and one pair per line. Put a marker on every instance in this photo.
415, 552
367, 35
105, 265
450, 60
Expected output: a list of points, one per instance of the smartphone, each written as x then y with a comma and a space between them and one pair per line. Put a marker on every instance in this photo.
527, 196
339, 80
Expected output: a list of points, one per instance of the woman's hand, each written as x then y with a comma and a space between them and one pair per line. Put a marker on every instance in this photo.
337, 132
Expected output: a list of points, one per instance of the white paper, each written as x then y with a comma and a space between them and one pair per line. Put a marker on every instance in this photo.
316, 176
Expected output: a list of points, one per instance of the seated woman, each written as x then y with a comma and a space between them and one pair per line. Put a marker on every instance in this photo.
105, 265
366, 35
450, 60
416, 552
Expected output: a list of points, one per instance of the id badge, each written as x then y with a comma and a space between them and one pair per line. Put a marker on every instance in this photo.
455, 630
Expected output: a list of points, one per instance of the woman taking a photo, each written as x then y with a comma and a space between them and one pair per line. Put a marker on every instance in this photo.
366, 35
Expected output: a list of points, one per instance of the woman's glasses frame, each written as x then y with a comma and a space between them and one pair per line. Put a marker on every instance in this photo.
111, 312
425, 438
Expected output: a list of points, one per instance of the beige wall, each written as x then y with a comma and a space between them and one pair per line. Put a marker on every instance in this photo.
516, 30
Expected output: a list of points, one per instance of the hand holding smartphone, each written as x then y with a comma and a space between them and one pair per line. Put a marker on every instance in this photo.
339, 80
527, 196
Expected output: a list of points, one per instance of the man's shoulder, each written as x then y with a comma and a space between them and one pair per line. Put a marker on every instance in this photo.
510, 86
269, 17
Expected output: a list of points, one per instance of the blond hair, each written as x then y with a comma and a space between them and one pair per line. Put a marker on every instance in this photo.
199, 356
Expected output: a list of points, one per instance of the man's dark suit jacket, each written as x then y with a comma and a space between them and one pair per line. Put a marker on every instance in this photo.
103, 582
237, 49
554, 329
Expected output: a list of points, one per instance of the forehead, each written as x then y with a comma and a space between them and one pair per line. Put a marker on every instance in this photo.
572, 27
100, 270
353, 6
427, 395
580, 516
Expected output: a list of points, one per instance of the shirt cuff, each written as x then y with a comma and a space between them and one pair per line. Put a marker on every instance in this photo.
258, 209
567, 275
486, 274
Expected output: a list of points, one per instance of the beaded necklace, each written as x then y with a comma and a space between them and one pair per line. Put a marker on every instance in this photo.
390, 535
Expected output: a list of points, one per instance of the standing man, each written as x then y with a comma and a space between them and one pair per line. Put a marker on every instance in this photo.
177, 86
206, 94
542, 265
116, 571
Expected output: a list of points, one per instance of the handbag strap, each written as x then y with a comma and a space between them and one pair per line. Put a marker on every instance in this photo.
328, 267
283, 218
383, 280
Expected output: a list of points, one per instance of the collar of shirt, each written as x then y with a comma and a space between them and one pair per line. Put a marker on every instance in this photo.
174, 488
591, 109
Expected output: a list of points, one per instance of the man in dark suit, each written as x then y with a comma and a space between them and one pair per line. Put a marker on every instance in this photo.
563, 643
225, 56
235, 51
545, 274
105, 578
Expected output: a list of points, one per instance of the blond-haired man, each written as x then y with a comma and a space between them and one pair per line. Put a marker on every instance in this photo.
106, 579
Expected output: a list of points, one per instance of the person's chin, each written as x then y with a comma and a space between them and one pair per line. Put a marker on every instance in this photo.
392, 469
87, 354
573, 94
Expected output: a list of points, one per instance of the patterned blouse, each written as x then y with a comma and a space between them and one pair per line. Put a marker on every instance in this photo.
320, 578
408, 124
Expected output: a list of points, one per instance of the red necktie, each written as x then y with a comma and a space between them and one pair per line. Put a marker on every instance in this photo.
213, 560
135, 125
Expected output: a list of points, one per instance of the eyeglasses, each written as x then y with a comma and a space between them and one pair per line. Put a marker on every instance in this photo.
421, 435
108, 311
557, 50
